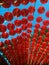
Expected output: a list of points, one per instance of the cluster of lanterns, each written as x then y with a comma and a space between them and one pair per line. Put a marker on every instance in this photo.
7, 3
26, 48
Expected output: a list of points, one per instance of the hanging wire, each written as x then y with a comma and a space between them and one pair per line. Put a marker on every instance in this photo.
4, 58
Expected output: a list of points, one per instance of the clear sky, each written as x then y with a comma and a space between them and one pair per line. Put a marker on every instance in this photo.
37, 4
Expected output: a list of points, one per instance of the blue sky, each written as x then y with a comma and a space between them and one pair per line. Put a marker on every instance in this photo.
37, 4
